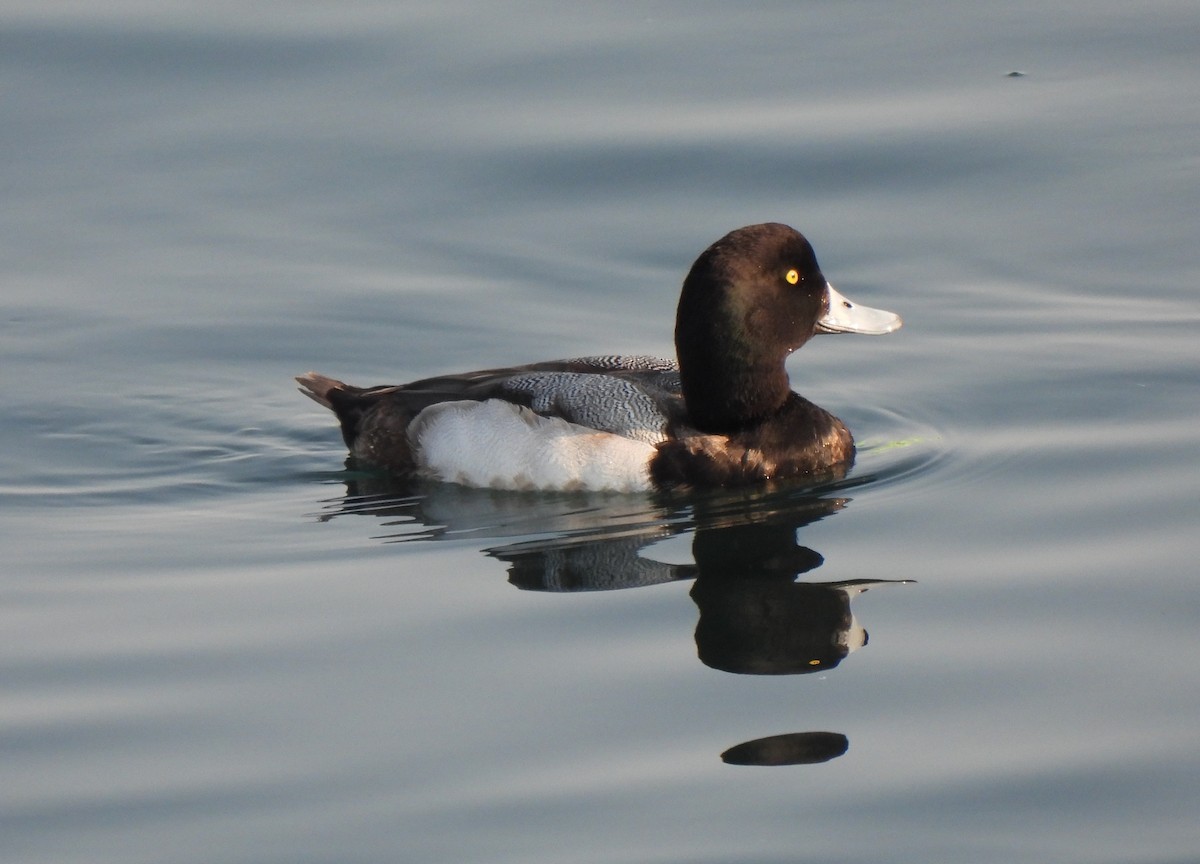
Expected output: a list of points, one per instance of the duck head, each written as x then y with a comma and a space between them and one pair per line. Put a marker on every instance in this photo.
750, 300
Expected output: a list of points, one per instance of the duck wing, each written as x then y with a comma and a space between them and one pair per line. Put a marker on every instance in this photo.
636, 397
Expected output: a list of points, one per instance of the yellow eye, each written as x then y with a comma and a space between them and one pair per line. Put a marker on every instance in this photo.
792, 276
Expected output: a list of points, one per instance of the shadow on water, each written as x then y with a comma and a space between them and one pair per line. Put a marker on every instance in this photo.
756, 615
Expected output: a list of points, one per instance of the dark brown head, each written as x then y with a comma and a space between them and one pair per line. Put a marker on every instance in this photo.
751, 298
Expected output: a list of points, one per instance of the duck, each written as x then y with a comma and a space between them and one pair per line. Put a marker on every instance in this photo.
722, 414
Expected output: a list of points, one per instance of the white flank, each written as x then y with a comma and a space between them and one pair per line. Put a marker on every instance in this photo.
500, 445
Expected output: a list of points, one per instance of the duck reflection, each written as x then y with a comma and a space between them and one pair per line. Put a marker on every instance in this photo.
756, 617
794, 748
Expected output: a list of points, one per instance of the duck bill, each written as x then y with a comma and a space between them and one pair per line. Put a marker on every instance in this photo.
843, 316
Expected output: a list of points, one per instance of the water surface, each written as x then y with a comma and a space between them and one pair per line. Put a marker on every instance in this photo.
220, 644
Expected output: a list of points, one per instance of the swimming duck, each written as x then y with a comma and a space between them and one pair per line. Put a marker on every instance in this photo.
723, 415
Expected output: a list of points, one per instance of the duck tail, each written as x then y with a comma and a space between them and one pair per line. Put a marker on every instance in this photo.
357, 408
340, 398
317, 387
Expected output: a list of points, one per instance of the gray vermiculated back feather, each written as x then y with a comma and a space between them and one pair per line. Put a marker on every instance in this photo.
631, 406
629, 363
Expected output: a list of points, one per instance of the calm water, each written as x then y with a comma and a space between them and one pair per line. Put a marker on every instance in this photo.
217, 645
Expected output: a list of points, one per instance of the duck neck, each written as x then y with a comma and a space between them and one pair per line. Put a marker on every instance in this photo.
725, 394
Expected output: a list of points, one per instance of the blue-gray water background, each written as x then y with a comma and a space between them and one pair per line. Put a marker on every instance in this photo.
216, 646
